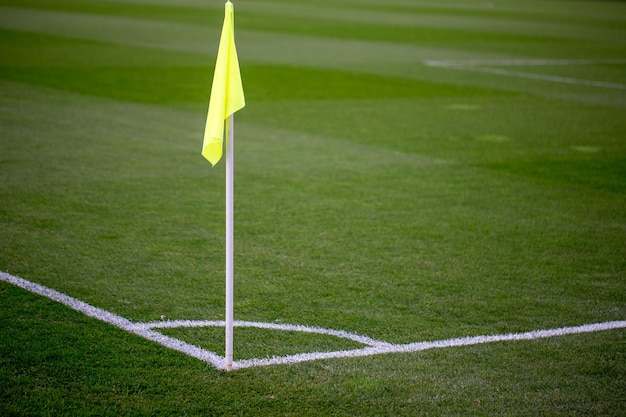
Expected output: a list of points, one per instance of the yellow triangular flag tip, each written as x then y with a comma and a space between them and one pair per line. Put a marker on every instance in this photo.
226, 91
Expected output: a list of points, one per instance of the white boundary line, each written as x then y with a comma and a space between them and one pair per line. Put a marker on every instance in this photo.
373, 347
521, 62
486, 66
108, 317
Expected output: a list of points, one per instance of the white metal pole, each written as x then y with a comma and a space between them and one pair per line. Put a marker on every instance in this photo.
230, 209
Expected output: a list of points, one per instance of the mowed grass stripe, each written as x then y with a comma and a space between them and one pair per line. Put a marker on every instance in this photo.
484, 39
486, 128
314, 21
26, 49
201, 13
188, 85
371, 57
151, 76
116, 30
256, 46
268, 11
387, 59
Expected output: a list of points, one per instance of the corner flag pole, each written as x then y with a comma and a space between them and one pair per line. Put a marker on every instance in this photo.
226, 98
230, 226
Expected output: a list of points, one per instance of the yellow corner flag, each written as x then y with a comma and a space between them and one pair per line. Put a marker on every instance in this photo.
226, 92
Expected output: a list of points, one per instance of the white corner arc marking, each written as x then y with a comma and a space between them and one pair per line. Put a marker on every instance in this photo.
373, 347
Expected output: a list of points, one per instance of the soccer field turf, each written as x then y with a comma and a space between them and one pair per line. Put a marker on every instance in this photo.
406, 170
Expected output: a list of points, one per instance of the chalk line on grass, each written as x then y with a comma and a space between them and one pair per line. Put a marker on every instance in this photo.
373, 347
270, 326
438, 344
108, 317
520, 62
487, 66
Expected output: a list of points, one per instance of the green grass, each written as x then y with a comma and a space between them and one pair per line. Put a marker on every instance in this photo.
374, 194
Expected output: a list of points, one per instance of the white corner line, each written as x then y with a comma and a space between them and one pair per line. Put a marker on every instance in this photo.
117, 321
520, 62
438, 344
487, 66
374, 347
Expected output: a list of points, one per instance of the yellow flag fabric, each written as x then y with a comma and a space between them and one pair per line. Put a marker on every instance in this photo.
226, 92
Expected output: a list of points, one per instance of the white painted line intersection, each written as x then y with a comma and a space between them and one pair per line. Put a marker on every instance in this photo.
373, 347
